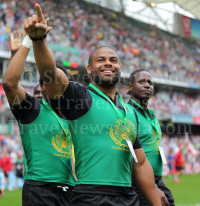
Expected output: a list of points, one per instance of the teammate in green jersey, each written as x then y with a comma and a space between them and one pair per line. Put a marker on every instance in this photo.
100, 124
141, 89
45, 136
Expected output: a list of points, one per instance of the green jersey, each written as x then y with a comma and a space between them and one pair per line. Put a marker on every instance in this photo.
47, 149
101, 152
150, 134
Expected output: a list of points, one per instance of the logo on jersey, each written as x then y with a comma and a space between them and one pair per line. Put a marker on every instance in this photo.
61, 144
119, 135
154, 142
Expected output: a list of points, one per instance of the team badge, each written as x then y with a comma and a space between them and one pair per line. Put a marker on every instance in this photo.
154, 141
61, 144
119, 134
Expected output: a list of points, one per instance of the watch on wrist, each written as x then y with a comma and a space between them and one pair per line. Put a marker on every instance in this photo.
38, 39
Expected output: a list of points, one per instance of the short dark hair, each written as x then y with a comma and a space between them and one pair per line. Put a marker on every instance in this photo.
59, 66
132, 75
91, 55
35, 88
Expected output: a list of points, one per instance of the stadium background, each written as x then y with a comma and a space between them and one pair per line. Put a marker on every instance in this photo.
171, 54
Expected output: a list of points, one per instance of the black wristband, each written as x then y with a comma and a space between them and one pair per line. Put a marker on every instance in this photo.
37, 39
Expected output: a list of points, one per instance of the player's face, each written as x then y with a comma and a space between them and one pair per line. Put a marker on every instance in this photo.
38, 93
105, 68
142, 87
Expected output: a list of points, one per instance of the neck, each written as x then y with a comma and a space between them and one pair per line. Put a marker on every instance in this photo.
107, 89
142, 102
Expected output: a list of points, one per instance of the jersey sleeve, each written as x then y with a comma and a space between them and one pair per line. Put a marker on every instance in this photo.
27, 111
75, 102
137, 144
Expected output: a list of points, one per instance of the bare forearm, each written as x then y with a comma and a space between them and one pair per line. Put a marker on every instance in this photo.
16, 66
13, 54
54, 78
44, 59
144, 178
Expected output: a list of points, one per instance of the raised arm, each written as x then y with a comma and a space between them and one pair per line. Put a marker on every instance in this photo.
55, 80
144, 178
14, 92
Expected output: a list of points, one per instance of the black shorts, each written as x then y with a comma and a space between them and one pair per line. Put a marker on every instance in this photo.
179, 168
44, 195
6, 174
98, 197
161, 186
19, 174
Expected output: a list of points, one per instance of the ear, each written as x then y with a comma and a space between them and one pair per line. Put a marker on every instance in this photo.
89, 69
130, 86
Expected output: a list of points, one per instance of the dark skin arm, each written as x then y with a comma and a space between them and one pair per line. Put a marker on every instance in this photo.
15, 93
163, 198
55, 80
144, 178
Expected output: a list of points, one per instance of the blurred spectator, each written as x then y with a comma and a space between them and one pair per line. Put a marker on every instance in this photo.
19, 167
85, 27
171, 161
179, 165
6, 167
176, 103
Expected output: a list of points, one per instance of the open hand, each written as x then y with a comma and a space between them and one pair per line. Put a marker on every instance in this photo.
36, 26
163, 198
15, 40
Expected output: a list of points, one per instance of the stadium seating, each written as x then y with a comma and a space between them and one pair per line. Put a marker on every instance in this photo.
85, 27
80, 27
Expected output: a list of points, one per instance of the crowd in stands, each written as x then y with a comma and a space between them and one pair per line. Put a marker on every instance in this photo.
190, 149
170, 102
11, 160
11, 144
176, 103
85, 27
174, 143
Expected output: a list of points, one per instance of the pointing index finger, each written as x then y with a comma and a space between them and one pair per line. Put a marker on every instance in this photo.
38, 10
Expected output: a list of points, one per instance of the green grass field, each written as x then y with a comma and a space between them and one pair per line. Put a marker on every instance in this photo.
188, 192
12, 198
185, 194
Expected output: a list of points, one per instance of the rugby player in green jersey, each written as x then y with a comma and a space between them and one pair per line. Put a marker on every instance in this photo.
45, 136
100, 123
141, 89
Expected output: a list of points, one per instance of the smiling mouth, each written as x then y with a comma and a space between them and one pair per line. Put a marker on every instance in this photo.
107, 71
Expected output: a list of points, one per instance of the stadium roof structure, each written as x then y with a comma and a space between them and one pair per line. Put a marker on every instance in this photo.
156, 12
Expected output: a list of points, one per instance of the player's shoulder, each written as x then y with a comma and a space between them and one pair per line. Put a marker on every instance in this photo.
129, 108
76, 84
75, 88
